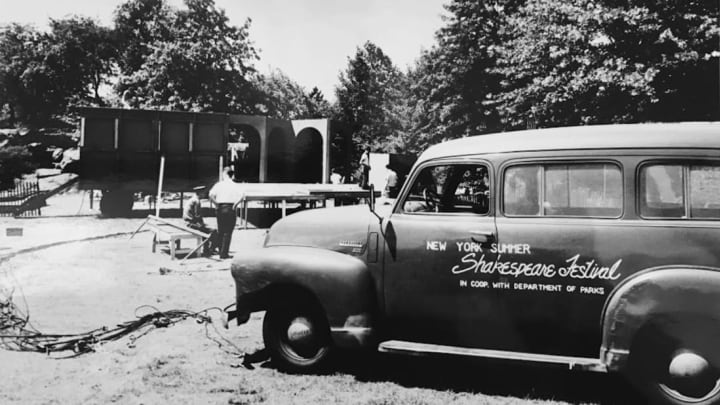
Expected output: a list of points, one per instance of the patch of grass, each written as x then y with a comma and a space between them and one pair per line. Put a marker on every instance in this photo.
166, 371
247, 392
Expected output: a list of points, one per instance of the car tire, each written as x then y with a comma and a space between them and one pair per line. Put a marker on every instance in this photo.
669, 371
297, 336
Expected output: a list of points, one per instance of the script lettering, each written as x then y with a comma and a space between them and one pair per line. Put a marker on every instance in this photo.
574, 268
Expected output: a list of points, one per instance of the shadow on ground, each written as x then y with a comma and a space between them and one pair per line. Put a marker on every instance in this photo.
488, 377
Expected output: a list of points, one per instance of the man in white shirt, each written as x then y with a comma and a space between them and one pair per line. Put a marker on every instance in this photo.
391, 182
365, 169
335, 177
224, 195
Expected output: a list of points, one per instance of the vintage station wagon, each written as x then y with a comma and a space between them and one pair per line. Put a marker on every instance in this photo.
593, 247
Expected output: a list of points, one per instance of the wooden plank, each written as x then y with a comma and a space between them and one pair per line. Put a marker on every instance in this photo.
180, 227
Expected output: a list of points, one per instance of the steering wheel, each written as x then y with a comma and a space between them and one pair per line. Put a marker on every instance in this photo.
431, 199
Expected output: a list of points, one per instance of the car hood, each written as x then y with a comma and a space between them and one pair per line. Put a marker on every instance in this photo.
342, 229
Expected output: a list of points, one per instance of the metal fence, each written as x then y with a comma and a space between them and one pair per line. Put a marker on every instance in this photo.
17, 201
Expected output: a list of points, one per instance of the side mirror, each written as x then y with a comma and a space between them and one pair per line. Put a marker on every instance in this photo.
371, 203
371, 200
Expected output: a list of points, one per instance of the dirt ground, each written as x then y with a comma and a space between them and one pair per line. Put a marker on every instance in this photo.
74, 287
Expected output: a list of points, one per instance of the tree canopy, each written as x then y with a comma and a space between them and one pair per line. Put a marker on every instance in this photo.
494, 65
370, 91
191, 59
42, 73
19, 64
81, 53
282, 97
569, 62
453, 80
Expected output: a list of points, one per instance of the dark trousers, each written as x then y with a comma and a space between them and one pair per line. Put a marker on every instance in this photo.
226, 219
212, 243
365, 177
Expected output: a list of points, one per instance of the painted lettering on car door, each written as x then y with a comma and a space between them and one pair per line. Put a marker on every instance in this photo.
518, 270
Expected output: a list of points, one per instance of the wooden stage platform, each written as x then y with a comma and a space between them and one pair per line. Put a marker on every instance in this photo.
284, 193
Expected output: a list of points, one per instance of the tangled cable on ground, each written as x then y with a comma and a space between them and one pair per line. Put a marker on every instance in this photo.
17, 334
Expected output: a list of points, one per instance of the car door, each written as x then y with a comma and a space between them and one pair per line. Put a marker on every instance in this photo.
438, 257
560, 247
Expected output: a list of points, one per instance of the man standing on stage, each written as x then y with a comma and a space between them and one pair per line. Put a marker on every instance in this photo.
222, 195
365, 169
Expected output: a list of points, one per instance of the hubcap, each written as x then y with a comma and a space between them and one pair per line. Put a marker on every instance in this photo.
300, 332
691, 378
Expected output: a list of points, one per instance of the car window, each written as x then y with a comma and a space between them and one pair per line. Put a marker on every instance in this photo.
680, 191
521, 192
662, 191
705, 191
569, 190
450, 188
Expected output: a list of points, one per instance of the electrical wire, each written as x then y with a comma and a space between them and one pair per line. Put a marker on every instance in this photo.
17, 334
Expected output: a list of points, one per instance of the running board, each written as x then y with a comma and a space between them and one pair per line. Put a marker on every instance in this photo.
414, 348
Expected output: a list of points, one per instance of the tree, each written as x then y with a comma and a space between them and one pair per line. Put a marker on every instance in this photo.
580, 61
42, 73
452, 81
284, 98
370, 89
317, 106
281, 96
24, 85
190, 59
81, 54
139, 24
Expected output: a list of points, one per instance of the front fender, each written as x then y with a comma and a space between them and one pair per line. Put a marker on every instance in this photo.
341, 283
653, 295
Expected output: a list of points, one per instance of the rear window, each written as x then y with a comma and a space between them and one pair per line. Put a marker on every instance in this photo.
566, 190
680, 191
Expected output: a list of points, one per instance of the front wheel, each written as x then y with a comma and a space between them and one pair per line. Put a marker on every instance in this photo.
673, 371
297, 337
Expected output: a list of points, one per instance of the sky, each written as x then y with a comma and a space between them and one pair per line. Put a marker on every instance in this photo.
309, 40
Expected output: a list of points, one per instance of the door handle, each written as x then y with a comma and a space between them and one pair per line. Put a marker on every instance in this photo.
482, 236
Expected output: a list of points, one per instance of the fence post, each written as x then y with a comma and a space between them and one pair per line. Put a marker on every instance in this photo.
18, 202
37, 190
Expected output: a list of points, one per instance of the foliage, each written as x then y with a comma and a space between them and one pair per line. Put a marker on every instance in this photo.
190, 59
14, 162
371, 104
317, 105
581, 62
81, 53
281, 97
370, 90
452, 81
23, 82
139, 24
495, 65
42, 73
